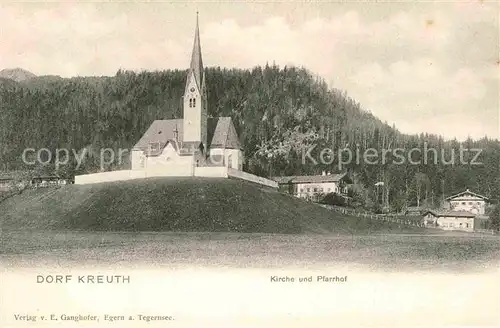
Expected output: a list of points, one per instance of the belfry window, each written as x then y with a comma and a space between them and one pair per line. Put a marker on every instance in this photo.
194, 102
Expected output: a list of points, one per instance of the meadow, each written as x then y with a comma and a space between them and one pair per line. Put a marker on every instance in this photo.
437, 251
231, 223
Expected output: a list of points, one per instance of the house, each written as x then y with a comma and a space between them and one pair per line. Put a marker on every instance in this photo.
468, 201
196, 140
465, 211
313, 186
453, 220
20, 179
49, 181
6, 183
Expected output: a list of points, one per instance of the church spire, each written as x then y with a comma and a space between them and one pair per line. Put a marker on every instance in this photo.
196, 61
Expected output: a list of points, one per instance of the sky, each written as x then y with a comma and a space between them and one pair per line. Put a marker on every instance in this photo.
423, 66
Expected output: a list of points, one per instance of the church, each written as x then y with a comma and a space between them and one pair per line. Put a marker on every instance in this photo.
195, 145
196, 140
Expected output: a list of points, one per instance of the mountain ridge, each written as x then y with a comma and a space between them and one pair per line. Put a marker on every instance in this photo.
16, 74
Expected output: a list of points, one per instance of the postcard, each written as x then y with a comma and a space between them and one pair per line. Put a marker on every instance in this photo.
249, 164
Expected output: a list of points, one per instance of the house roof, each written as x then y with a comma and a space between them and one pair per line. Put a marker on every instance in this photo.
311, 178
467, 192
220, 133
462, 214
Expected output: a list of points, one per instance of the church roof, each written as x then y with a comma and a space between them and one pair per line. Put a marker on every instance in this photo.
220, 132
223, 134
159, 134
196, 61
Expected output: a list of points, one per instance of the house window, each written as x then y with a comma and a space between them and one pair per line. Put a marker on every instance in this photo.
470, 203
301, 190
308, 189
320, 189
463, 203
315, 189
466, 225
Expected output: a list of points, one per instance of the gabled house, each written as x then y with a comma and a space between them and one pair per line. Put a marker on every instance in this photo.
452, 220
466, 212
312, 186
468, 201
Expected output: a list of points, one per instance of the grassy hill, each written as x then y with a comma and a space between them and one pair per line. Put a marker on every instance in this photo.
174, 204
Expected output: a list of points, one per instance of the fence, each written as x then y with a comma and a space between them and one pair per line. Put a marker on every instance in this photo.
416, 221
487, 231
394, 218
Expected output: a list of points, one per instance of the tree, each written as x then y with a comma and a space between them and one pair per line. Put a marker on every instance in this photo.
494, 220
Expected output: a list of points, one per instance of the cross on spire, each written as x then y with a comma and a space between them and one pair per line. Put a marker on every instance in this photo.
176, 134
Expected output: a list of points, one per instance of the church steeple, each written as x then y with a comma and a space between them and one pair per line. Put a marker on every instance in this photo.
196, 61
195, 97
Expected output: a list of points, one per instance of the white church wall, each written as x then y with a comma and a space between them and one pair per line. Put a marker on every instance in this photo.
232, 173
169, 163
231, 156
109, 176
212, 172
216, 151
137, 160
170, 171
237, 158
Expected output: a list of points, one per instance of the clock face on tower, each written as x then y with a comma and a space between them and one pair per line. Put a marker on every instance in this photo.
192, 89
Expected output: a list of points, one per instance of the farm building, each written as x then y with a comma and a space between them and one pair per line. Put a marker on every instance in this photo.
454, 220
468, 201
312, 186
19, 179
466, 212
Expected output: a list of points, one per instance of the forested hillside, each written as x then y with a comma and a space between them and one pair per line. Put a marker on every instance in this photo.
279, 113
